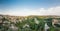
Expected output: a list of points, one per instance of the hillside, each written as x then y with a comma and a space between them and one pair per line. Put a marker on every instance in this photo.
29, 23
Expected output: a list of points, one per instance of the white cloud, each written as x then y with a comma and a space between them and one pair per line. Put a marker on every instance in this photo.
51, 11
25, 12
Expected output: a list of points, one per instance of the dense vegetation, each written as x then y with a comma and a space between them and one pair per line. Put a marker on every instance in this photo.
29, 24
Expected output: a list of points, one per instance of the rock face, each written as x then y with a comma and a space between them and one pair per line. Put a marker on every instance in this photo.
46, 27
56, 22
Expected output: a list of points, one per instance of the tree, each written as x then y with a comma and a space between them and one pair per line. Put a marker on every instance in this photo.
5, 24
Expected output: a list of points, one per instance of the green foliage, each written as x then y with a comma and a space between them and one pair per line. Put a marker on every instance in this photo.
31, 22
4, 26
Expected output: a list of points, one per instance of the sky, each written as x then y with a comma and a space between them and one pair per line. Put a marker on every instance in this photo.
30, 7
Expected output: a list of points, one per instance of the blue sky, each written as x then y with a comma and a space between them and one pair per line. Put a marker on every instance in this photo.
28, 7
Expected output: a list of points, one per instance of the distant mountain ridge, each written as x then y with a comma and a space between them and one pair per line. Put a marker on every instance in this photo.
29, 15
